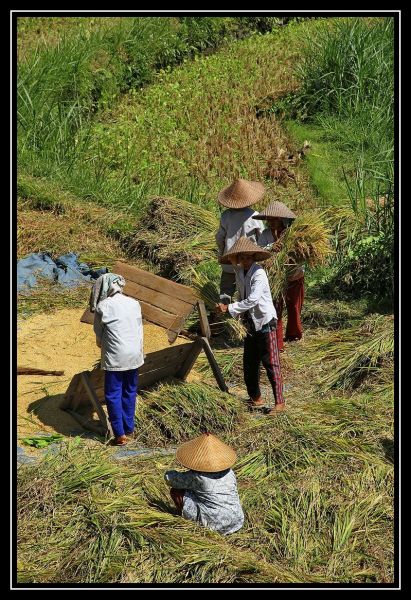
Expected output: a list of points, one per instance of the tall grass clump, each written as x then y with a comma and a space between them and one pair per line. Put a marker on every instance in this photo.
347, 77
347, 89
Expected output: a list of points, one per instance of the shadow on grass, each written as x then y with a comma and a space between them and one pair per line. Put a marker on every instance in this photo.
388, 446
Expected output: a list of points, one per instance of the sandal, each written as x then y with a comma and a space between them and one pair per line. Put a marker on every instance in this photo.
120, 440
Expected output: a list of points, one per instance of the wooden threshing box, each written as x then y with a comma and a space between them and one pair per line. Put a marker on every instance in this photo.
166, 304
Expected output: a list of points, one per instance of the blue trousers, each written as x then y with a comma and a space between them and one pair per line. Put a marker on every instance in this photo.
120, 390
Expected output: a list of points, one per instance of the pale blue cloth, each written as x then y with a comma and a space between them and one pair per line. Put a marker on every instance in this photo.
65, 270
210, 499
107, 285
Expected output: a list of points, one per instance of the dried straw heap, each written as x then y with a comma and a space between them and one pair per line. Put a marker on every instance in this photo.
306, 241
175, 233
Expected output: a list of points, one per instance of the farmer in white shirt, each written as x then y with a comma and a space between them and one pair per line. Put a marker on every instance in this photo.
257, 310
237, 221
118, 326
279, 217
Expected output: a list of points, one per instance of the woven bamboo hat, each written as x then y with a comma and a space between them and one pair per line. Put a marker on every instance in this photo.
241, 193
276, 209
206, 453
244, 246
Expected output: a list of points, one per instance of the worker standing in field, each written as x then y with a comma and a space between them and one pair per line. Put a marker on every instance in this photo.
207, 493
237, 221
118, 326
279, 217
258, 313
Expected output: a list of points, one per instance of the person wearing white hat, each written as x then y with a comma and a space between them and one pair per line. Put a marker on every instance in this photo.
237, 221
207, 492
259, 315
279, 217
118, 326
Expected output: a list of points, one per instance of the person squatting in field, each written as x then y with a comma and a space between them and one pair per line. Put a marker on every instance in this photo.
118, 326
207, 492
237, 221
279, 217
258, 313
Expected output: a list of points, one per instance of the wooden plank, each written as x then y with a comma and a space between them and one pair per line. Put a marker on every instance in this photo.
176, 327
188, 364
71, 393
88, 317
95, 402
204, 325
166, 356
154, 282
157, 375
156, 298
214, 365
153, 314
157, 315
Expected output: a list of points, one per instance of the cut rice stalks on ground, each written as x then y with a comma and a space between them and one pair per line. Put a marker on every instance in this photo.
355, 353
175, 412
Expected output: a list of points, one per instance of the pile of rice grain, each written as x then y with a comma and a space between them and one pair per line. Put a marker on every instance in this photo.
60, 342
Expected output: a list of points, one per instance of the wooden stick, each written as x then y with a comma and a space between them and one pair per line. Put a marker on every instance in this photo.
190, 360
33, 371
95, 402
205, 327
214, 365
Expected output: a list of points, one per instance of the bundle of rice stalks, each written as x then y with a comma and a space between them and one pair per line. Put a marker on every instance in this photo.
355, 353
306, 241
176, 412
207, 284
175, 233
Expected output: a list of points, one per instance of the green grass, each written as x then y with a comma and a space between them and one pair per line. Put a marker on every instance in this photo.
325, 163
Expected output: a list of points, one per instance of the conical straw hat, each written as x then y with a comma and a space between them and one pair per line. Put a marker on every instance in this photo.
241, 193
247, 246
206, 453
276, 209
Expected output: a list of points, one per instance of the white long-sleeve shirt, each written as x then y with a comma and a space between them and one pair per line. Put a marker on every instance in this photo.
265, 240
235, 223
118, 326
255, 296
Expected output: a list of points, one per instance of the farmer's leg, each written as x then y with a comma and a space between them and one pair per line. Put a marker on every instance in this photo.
251, 366
279, 306
227, 283
130, 382
294, 300
113, 382
178, 499
271, 362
